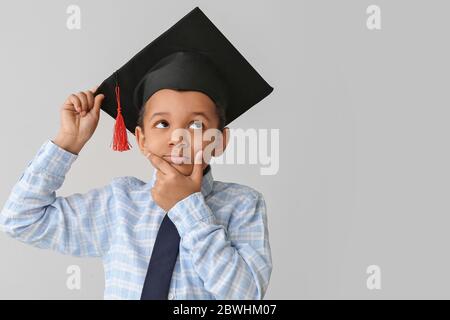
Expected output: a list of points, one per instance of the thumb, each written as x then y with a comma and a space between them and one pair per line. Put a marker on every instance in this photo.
98, 102
197, 171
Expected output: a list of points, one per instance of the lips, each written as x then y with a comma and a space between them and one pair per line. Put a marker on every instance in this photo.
176, 159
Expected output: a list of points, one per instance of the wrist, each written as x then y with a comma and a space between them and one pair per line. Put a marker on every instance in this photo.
68, 143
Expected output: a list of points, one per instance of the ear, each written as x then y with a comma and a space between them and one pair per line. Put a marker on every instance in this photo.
140, 139
222, 143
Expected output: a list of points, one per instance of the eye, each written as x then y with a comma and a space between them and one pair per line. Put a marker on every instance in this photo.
197, 124
161, 122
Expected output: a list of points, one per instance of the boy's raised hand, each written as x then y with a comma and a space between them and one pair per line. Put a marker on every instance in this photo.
172, 186
80, 114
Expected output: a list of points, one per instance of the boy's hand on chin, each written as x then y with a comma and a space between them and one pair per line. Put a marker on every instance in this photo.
171, 186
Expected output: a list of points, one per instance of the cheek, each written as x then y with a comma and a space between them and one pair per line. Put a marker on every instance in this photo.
197, 143
202, 145
153, 141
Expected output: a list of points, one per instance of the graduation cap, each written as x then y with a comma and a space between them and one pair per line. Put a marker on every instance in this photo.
191, 55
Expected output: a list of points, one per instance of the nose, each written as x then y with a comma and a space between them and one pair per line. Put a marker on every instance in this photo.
178, 138
173, 141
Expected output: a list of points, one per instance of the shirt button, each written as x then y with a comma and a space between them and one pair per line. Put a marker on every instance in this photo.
170, 296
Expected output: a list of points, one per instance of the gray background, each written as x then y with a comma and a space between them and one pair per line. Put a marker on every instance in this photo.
363, 119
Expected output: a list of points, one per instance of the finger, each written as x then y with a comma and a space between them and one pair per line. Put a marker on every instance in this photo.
73, 99
148, 156
84, 103
98, 102
161, 164
90, 99
197, 170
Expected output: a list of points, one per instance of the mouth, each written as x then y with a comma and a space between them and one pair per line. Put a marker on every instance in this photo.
176, 159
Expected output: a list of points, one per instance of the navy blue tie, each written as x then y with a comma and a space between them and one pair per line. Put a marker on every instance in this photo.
163, 259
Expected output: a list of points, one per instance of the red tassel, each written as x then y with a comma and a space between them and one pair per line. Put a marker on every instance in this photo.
120, 142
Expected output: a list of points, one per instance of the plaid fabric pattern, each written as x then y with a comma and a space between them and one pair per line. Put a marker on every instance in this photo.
224, 248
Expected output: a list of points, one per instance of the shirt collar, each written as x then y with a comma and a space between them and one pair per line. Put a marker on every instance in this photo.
207, 181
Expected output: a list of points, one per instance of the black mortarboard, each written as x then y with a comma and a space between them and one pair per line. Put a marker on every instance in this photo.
191, 55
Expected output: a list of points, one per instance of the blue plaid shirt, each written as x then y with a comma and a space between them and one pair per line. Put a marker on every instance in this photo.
224, 248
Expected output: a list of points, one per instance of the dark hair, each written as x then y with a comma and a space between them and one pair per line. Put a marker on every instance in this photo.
220, 111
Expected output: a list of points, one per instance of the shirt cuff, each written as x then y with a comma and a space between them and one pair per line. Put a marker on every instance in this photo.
188, 212
52, 159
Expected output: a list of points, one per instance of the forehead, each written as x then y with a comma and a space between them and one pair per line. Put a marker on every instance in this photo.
169, 100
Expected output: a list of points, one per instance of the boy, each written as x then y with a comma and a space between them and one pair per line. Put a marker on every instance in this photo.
181, 235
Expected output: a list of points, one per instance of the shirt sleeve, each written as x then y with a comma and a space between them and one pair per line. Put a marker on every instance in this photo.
78, 225
235, 263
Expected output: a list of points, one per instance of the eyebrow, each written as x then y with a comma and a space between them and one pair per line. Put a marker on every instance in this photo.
157, 114
201, 114
166, 113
